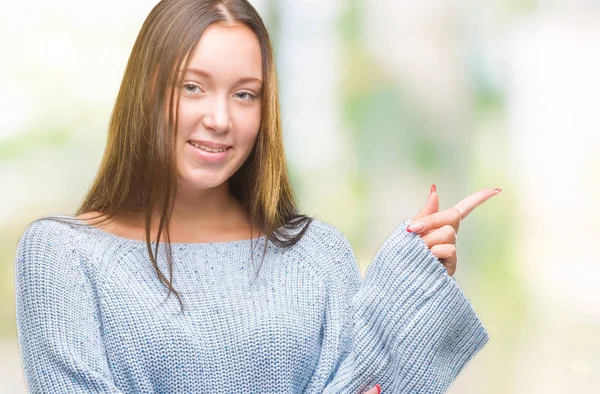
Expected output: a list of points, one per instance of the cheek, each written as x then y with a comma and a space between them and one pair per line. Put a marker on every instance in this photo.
187, 118
248, 125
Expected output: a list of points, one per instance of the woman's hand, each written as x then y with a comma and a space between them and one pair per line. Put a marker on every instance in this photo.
438, 229
373, 390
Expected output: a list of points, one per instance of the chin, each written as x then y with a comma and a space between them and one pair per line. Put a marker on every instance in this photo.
202, 181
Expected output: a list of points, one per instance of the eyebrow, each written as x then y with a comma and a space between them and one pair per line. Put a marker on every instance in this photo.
203, 73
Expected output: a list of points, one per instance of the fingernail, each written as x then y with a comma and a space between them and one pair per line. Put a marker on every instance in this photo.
497, 190
378, 388
432, 190
413, 228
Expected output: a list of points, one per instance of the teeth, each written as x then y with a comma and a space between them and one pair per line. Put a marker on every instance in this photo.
206, 148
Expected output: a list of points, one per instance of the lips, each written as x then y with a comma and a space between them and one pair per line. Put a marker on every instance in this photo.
209, 154
208, 144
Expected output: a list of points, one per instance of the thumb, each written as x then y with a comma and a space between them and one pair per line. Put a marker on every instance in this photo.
432, 205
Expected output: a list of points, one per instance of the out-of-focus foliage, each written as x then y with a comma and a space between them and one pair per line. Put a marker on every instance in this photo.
380, 99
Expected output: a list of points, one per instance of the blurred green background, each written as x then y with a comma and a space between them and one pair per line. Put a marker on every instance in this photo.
380, 99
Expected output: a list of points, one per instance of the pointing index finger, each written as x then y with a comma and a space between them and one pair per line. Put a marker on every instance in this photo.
467, 205
452, 215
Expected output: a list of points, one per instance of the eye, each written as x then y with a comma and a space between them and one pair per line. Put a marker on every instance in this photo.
191, 88
246, 96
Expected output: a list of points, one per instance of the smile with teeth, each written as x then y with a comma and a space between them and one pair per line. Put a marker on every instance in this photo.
206, 148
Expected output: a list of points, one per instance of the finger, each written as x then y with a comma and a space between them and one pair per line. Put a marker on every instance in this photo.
373, 390
450, 265
432, 205
468, 204
436, 220
452, 215
446, 253
442, 235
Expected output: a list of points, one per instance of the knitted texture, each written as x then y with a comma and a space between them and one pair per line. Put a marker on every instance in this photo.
92, 316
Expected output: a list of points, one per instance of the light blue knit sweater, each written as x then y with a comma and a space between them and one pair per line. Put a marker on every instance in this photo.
91, 316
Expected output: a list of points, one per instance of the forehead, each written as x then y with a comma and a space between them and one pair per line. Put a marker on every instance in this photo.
228, 52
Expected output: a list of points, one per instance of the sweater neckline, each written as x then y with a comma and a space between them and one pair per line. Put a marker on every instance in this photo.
175, 244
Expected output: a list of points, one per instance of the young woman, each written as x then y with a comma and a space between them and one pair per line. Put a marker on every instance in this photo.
192, 199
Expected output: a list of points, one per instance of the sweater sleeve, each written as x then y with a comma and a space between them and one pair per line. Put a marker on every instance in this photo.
57, 319
408, 326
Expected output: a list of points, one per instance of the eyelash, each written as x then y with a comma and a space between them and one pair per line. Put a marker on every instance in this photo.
250, 94
189, 84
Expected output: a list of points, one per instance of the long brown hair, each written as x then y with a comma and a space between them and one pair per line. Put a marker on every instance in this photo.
137, 173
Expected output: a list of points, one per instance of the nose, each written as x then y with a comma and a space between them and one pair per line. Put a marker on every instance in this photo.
217, 117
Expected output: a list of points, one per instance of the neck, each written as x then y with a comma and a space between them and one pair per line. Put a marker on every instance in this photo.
207, 208
207, 215
212, 215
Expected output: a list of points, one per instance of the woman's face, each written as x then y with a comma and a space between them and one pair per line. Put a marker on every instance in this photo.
219, 107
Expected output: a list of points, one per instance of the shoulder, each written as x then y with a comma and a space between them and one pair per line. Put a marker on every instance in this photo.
325, 237
49, 264
47, 235
328, 246
321, 236
49, 227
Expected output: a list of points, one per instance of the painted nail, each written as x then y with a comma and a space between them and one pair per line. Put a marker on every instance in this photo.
378, 388
432, 190
413, 228
497, 190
